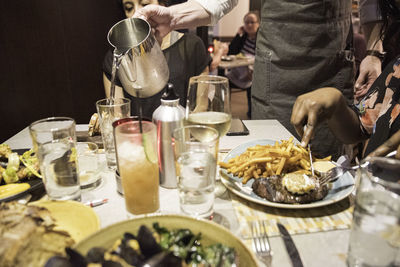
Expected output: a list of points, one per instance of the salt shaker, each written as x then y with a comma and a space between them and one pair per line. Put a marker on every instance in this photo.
168, 117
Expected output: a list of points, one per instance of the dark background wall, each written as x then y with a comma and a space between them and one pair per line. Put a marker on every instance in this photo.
51, 54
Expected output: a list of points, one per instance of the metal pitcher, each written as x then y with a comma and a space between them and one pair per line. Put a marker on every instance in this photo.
143, 70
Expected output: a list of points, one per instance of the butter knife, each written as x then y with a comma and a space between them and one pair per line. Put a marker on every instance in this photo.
290, 246
311, 163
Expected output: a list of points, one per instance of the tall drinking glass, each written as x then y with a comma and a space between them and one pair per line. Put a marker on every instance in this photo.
196, 148
208, 103
138, 164
54, 141
375, 233
110, 111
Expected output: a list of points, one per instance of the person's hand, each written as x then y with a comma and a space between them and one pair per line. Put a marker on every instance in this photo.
224, 48
393, 143
312, 108
370, 69
159, 17
221, 49
241, 31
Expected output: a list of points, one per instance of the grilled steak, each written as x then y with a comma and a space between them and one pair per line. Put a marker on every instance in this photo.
271, 188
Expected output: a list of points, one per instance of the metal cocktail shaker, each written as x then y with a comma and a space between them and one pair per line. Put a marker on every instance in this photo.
168, 117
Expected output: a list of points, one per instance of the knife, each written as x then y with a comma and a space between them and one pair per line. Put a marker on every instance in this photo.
290, 246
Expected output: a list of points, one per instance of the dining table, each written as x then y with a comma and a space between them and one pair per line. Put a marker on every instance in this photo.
321, 234
235, 62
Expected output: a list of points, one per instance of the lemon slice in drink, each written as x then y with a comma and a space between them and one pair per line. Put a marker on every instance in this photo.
149, 150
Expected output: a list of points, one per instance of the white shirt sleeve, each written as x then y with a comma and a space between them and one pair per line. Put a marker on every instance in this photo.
217, 8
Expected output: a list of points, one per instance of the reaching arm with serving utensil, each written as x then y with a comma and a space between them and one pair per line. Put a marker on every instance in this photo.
328, 104
325, 104
392, 144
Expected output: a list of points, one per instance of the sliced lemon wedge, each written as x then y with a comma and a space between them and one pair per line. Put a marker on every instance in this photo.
12, 189
149, 148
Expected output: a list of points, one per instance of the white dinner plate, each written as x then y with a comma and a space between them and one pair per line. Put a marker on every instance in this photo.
340, 189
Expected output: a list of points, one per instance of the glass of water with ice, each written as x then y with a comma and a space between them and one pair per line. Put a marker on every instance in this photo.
196, 182
375, 233
54, 141
195, 149
110, 111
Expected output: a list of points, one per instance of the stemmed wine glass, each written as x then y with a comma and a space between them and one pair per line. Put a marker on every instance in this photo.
208, 103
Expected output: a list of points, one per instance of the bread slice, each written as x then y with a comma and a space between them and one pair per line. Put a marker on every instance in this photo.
27, 237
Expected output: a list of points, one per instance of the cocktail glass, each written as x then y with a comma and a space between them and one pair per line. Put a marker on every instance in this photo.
138, 164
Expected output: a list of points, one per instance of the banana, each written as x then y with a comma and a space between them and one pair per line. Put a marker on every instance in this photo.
12, 189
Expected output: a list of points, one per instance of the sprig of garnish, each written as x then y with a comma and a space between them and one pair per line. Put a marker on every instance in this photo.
29, 161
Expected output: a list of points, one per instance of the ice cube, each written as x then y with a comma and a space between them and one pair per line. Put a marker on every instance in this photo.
131, 152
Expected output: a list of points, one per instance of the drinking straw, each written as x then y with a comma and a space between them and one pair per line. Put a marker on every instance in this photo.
139, 105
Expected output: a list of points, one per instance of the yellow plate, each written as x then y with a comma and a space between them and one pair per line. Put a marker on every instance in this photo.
211, 233
73, 217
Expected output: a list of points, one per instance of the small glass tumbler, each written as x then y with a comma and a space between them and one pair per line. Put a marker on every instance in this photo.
88, 160
137, 157
195, 137
196, 149
54, 141
110, 111
196, 183
375, 233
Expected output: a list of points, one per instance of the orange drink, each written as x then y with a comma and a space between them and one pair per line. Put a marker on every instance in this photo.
138, 164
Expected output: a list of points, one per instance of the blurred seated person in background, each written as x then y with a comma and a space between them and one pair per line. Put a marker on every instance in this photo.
185, 54
243, 44
220, 49
377, 116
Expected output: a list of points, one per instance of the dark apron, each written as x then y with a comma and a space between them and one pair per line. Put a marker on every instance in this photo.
302, 45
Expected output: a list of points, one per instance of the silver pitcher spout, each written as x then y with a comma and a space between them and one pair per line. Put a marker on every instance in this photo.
143, 66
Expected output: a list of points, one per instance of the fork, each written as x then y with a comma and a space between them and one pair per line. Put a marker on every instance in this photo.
260, 242
335, 173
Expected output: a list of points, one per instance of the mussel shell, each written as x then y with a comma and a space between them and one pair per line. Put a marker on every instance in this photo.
148, 244
58, 261
95, 254
76, 258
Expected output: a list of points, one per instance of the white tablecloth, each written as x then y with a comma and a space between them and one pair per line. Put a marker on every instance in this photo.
316, 249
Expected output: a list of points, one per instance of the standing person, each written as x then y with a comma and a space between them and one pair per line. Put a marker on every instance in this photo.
377, 116
301, 46
245, 43
185, 54
371, 23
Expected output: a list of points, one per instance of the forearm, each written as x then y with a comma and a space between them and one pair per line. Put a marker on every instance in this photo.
189, 14
372, 35
345, 124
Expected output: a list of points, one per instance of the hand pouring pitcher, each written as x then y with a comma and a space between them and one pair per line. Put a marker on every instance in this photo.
143, 70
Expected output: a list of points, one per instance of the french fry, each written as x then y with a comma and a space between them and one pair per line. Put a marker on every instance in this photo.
224, 165
267, 160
